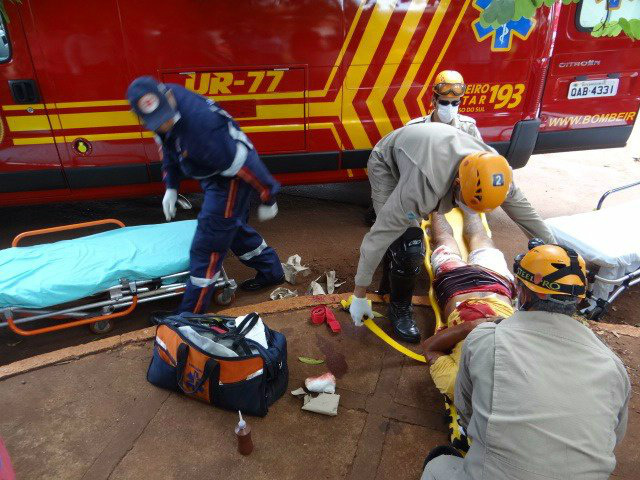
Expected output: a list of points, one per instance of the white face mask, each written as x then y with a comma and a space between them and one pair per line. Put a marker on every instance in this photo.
446, 113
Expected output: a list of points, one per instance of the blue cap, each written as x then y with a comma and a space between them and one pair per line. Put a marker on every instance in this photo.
148, 100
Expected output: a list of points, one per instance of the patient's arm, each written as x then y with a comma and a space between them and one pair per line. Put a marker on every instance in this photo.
443, 342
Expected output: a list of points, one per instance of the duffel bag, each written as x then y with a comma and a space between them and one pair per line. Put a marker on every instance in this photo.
191, 357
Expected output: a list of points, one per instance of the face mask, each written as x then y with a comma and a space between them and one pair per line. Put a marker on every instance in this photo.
446, 113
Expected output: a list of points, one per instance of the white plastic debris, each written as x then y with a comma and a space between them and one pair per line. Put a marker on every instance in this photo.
330, 284
282, 292
293, 268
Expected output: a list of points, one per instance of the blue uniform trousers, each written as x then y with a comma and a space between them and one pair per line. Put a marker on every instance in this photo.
222, 225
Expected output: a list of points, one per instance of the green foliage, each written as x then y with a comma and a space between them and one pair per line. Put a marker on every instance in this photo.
500, 12
609, 29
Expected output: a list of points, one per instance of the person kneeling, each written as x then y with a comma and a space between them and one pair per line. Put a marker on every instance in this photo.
539, 394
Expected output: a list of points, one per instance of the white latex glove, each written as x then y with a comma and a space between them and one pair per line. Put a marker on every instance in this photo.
267, 212
360, 307
169, 203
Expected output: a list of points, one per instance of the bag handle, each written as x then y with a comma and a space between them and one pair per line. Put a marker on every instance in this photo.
247, 324
181, 363
242, 330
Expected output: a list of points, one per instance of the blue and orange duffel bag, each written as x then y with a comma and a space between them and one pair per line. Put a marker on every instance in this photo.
212, 359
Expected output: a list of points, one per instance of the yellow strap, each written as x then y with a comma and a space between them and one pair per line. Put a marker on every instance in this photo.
371, 325
386, 338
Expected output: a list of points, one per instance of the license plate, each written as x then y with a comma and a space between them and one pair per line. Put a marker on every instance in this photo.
593, 88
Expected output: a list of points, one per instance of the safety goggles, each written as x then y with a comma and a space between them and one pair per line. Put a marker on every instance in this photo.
445, 103
456, 89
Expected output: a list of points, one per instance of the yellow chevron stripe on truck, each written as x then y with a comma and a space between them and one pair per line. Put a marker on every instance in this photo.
371, 38
442, 52
421, 54
398, 49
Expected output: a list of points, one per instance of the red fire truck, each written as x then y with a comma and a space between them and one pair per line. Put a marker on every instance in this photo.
314, 83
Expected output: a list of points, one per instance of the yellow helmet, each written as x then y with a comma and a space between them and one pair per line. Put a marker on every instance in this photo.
552, 270
449, 82
485, 179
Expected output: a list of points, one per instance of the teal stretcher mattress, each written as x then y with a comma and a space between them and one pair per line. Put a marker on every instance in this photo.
45, 275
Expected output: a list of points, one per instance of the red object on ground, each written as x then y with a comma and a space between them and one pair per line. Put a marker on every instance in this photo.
323, 313
318, 315
6, 470
334, 325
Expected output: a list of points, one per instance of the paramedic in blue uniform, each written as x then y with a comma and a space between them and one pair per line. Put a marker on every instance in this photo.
200, 140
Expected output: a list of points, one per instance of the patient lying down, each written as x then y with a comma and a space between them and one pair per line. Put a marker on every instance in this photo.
468, 293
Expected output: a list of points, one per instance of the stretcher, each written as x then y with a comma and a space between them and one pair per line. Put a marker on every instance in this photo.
95, 279
609, 241
455, 217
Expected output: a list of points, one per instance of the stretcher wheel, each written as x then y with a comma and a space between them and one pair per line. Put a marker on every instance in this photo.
224, 297
596, 313
102, 327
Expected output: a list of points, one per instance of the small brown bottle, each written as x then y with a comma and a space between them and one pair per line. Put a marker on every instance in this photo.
243, 432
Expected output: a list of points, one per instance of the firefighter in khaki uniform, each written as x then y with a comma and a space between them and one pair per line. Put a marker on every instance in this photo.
448, 90
539, 394
416, 170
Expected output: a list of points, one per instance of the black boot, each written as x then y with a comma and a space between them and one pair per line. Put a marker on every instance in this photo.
400, 309
384, 287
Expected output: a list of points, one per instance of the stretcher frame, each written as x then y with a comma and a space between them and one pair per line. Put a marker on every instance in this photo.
623, 283
100, 310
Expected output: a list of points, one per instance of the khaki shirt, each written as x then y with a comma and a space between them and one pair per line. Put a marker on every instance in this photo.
542, 398
461, 122
411, 171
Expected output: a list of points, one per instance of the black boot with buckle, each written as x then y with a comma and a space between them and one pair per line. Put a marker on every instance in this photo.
400, 309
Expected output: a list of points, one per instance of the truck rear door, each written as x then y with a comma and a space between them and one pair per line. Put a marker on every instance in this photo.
592, 92
29, 159
79, 57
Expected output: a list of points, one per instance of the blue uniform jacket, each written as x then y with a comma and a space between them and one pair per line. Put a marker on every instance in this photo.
206, 141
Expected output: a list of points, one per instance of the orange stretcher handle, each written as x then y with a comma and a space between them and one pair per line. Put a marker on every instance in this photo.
62, 228
62, 326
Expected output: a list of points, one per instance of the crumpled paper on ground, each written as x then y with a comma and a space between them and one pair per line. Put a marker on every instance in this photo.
331, 283
293, 268
282, 292
324, 403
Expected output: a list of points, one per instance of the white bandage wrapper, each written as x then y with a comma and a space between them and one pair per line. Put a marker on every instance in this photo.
325, 383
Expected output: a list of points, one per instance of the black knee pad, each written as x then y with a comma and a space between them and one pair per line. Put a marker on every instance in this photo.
406, 254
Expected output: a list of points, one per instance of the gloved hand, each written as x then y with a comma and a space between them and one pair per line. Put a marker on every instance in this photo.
169, 203
359, 308
267, 212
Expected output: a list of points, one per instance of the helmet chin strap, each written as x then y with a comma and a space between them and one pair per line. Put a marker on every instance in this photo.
533, 297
